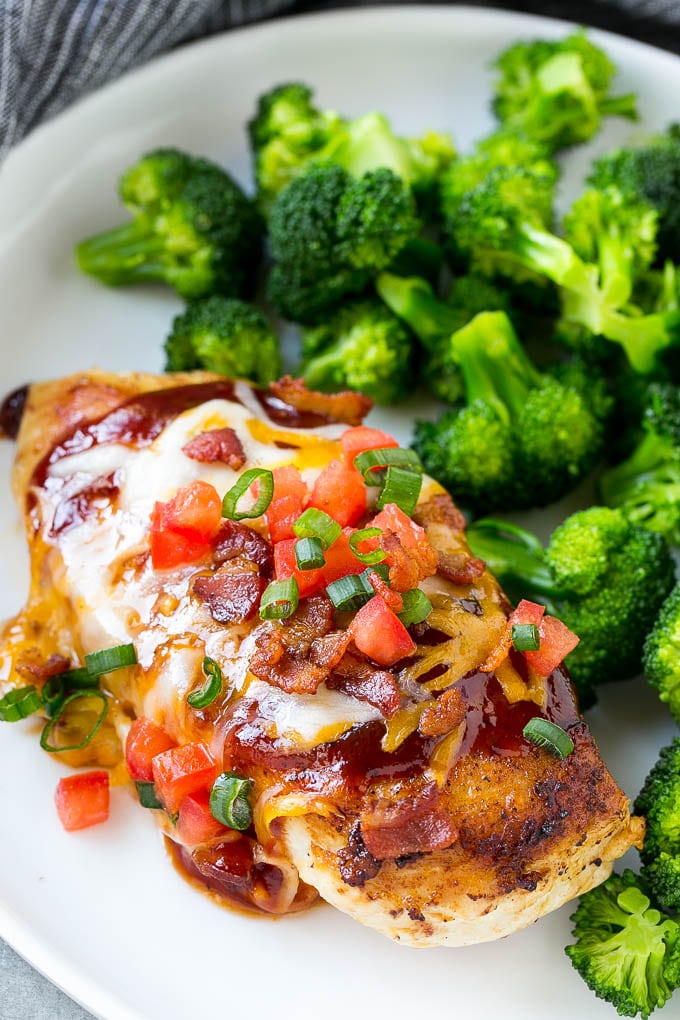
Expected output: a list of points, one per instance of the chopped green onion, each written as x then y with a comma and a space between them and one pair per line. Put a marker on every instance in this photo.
525, 637
417, 607
317, 524
19, 704
54, 694
147, 796
232, 497
375, 555
109, 659
77, 679
279, 599
549, 736
211, 689
401, 487
309, 553
351, 591
229, 801
60, 718
372, 463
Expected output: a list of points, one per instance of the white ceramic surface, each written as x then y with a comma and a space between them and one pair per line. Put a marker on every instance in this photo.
102, 912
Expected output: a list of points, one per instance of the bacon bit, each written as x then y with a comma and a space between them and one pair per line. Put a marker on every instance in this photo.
347, 407
358, 679
439, 509
32, 666
328, 651
460, 567
282, 649
216, 446
355, 864
235, 539
499, 654
391, 597
443, 715
410, 823
407, 566
232, 596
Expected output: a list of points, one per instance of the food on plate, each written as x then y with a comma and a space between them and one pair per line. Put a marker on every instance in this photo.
661, 659
319, 689
659, 798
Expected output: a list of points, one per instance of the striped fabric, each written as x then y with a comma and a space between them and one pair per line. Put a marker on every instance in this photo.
52, 51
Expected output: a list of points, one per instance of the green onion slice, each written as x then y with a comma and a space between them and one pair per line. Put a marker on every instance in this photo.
351, 591
107, 660
376, 555
417, 607
373, 463
548, 735
525, 637
61, 719
211, 689
230, 801
19, 704
77, 679
265, 495
53, 694
279, 599
401, 487
147, 796
309, 553
317, 524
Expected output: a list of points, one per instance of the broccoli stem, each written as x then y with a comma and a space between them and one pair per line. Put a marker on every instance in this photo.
641, 337
616, 270
123, 255
326, 371
650, 457
412, 299
516, 556
550, 256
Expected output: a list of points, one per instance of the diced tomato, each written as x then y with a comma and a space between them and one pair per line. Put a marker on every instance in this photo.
527, 612
181, 771
83, 800
381, 635
556, 643
340, 491
183, 528
355, 441
195, 823
144, 741
170, 549
289, 500
393, 518
340, 560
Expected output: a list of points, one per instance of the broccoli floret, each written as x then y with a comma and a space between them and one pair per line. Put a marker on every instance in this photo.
288, 132
603, 576
626, 950
226, 336
331, 233
557, 92
659, 802
650, 170
193, 228
363, 346
545, 438
502, 222
661, 660
647, 485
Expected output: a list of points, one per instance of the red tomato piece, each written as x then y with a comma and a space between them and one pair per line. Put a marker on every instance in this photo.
183, 528
195, 823
393, 518
181, 771
556, 643
527, 612
340, 560
144, 741
171, 549
310, 582
289, 500
381, 635
340, 491
83, 800
355, 441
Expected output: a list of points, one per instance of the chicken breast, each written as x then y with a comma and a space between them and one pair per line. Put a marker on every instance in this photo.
402, 791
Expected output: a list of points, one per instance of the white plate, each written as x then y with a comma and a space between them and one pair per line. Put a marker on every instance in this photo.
102, 912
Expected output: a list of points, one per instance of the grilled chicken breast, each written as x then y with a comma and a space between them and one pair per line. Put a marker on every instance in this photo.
404, 794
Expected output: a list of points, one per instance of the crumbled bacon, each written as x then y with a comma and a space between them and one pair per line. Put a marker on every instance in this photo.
216, 446
360, 680
460, 567
410, 823
282, 649
32, 666
408, 566
347, 406
328, 651
439, 509
443, 715
233, 592
235, 539
391, 597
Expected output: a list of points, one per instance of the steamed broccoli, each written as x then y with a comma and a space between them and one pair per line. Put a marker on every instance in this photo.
650, 170
288, 132
522, 439
659, 802
647, 485
193, 228
626, 950
363, 346
603, 576
330, 234
557, 92
227, 336
661, 659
